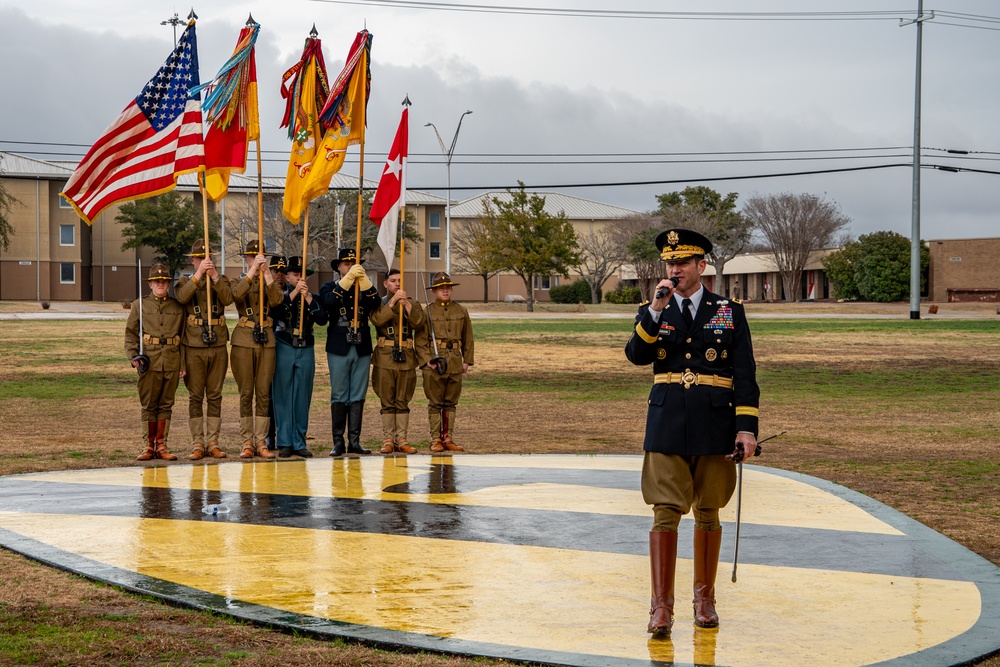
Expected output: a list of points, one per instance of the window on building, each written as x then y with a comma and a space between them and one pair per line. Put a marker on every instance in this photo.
435, 249
67, 235
270, 208
67, 273
435, 220
64, 203
546, 282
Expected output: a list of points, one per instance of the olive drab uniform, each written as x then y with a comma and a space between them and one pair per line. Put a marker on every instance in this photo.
395, 381
162, 326
252, 361
451, 326
206, 359
704, 393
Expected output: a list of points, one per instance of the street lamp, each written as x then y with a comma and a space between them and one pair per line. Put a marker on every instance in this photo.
448, 153
174, 21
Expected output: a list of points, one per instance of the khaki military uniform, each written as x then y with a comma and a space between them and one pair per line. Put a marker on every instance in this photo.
162, 325
253, 362
395, 381
451, 325
205, 363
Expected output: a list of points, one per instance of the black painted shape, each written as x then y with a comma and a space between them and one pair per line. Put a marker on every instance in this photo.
607, 533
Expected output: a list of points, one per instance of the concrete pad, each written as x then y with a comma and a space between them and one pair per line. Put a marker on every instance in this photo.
535, 558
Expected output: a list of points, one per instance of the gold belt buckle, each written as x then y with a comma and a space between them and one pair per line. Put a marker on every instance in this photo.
688, 379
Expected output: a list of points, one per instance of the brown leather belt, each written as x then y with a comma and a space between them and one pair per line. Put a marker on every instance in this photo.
687, 378
391, 342
248, 323
156, 340
197, 321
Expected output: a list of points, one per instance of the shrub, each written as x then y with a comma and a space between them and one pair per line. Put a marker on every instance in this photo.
624, 294
575, 292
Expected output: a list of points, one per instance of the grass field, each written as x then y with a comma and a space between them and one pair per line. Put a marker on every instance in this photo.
903, 411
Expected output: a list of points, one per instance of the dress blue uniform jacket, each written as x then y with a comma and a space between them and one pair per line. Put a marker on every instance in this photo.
286, 316
339, 304
699, 419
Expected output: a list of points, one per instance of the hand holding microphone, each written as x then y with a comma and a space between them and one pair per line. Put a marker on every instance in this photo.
664, 291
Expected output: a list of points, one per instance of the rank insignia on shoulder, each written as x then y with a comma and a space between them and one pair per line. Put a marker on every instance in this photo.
644, 303
738, 302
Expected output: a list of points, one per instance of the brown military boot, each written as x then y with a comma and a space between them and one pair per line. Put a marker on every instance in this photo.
434, 418
402, 426
198, 453
388, 433
161, 445
447, 428
246, 435
214, 425
706, 565
149, 453
662, 565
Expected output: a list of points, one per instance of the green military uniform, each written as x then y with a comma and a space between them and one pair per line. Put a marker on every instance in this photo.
206, 362
253, 362
450, 324
161, 328
395, 381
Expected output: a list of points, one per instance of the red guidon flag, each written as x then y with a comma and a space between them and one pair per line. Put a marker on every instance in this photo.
156, 138
390, 196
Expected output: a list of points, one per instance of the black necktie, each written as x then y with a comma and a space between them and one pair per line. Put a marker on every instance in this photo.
686, 311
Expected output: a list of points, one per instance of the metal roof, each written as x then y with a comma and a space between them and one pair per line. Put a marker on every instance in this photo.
575, 208
13, 165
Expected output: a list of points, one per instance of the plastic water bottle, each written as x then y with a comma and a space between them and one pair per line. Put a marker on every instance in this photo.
215, 509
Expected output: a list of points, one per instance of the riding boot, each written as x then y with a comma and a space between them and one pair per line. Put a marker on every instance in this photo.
447, 428
402, 427
434, 418
706, 565
355, 411
388, 432
161, 441
149, 452
662, 565
338, 415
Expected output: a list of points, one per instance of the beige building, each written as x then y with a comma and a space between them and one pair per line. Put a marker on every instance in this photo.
964, 270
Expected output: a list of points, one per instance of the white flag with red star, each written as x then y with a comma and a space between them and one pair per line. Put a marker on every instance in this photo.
390, 196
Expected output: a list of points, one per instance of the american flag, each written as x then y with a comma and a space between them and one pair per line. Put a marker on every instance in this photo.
156, 138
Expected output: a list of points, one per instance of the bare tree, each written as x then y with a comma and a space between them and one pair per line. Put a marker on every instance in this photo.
637, 235
472, 254
795, 226
707, 212
601, 254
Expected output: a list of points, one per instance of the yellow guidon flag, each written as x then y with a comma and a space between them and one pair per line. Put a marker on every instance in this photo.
343, 117
305, 88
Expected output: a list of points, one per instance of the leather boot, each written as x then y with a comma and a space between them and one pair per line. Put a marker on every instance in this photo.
260, 425
706, 565
149, 453
197, 425
388, 433
434, 418
161, 441
402, 427
662, 565
354, 413
214, 425
338, 415
246, 435
447, 428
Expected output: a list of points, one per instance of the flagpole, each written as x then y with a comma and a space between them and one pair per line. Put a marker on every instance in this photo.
203, 184
361, 185
260, 234
402, 268
302, 276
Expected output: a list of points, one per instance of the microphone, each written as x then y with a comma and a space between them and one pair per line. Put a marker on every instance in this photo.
663, 291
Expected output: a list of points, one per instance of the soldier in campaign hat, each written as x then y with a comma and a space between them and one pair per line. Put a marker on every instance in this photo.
452, 347
161, 362
702, 408
349, 359
295, 361
252, 356
206, 339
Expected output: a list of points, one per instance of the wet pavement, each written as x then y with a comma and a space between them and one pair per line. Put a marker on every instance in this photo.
536, 558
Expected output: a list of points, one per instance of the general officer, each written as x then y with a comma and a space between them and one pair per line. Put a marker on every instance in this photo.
160, 328
295, 361
450, 341
206, 353
704, 401
252, 356
348, 360
401, 348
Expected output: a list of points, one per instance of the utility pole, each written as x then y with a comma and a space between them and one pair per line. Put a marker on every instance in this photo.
915, 225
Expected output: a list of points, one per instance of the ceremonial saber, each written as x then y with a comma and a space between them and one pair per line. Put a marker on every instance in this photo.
738, 457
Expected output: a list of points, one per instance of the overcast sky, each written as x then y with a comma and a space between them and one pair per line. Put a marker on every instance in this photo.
555, 87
